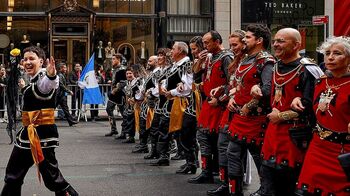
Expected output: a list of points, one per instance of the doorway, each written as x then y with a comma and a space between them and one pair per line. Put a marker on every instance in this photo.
70, 50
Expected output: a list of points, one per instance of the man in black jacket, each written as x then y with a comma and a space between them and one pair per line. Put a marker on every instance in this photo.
61, 96
116, 96
73, 78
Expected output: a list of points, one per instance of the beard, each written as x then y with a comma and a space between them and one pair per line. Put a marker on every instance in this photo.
149, 67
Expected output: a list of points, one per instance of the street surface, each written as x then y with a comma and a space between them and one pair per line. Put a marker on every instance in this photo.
98, 165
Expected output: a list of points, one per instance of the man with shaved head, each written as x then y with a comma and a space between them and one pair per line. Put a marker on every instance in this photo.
145, 96
293, 80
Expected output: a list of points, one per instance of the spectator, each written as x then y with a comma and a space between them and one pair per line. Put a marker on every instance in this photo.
2, 92
61, 96
100, 80
73, 78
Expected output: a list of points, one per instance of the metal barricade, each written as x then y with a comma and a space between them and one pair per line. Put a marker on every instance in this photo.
78, 108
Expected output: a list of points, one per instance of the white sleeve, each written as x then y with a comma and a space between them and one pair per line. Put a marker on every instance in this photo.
187, 80
155, 90
45, 84
139, 95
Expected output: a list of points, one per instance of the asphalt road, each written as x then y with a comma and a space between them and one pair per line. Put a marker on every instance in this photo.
98, 165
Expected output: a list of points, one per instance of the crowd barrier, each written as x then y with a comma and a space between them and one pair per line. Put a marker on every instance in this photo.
82, 111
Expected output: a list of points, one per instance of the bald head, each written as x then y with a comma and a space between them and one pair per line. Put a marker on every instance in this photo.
286, 44
291, 33
152, 62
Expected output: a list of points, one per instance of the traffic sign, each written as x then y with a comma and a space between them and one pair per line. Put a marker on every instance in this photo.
320, 20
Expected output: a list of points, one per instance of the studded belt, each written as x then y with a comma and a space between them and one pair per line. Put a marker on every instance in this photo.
332, 136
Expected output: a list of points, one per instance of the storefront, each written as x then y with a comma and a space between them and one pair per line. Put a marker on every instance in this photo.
277, 14
70, 30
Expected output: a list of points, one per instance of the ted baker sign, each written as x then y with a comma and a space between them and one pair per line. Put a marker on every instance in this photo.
283, 8
283, 5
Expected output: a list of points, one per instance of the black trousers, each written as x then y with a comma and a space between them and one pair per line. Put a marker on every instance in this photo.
20, 162
187, 134
237, 153
93, 110
110, 111
207, 143
77, 95
144, 133
278, 182
163, 129
129, 124
2, 104
154, 133
223, 142
62, 101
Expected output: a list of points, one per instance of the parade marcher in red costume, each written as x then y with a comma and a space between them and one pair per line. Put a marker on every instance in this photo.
216, 74
293, 76
36, 142
237, 46
322, 173
246, 129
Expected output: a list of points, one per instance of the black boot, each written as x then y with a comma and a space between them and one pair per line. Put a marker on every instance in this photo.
173, 147
190, 165
189, 168
153, 154
206, 176
258, 192
223, 189
179, 155
11, 190
111, 133
141, 148
72, 122
129, 140
236, 186
163, 160
120, 137
69, 191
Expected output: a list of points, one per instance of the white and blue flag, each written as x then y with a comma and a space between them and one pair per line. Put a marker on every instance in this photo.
88, 82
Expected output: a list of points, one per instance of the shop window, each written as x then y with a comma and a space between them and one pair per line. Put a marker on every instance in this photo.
190, 16
125, 6
25, 6
126, 35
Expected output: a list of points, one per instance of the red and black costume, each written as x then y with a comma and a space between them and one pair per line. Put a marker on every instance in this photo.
246, 131
282, 158
216, 74
322, 173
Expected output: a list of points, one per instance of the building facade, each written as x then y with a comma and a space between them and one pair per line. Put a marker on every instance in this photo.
71, 30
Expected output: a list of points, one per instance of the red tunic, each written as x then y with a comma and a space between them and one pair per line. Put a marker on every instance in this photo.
209, 117
278, 147
249, 128
321, 169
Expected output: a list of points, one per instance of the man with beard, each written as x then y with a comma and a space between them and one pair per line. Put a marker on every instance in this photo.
215, 65
116, 96
164, 62
247, 127
147, 105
